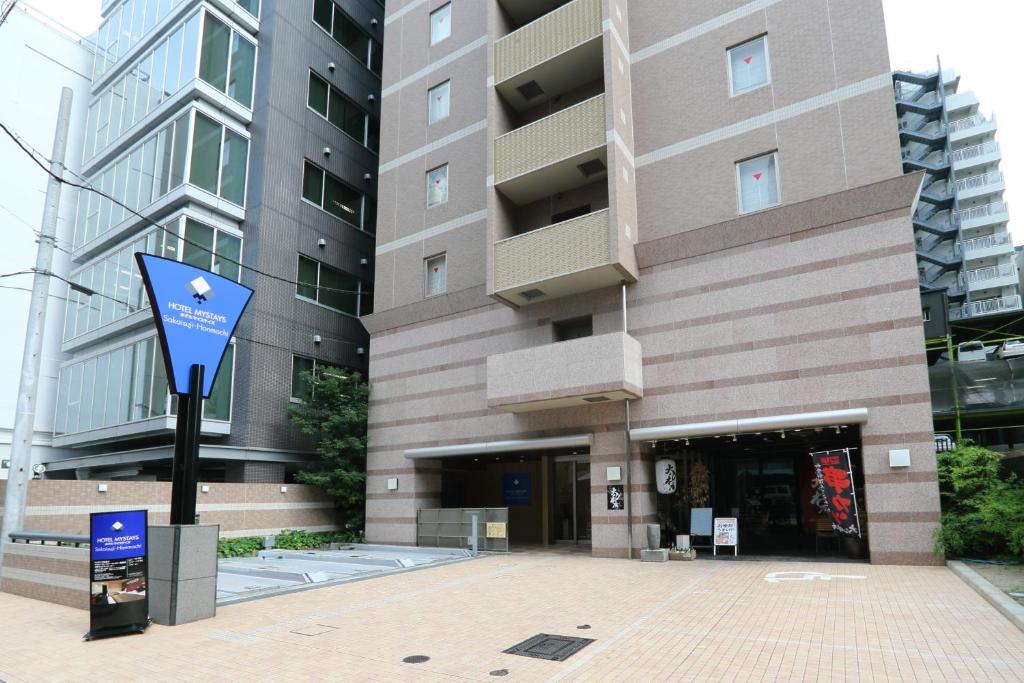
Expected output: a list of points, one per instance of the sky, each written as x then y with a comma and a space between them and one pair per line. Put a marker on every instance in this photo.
978, 39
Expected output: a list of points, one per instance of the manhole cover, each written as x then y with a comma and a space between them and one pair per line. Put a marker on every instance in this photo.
416, 659
315, 630
545, 646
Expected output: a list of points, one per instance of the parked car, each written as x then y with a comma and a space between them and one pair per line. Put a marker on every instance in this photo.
967, 352
1011, 348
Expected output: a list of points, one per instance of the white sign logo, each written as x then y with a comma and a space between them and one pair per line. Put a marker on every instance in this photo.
200, 289
117, 526
779, 577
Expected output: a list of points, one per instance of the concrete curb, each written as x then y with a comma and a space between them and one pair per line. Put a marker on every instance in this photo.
1006, 605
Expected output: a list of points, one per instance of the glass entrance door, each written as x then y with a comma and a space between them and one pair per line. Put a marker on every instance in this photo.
572, 501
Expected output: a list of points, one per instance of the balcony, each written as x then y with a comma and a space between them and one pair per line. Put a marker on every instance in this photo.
988, 246
975, 156
578, 372
975, 309
553, 154
550, 55
986, 214
980, 185
1003, 275
970, 127
573, 256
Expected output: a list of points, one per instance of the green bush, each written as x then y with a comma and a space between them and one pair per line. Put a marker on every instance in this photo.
982, 510
296, 539
239, 547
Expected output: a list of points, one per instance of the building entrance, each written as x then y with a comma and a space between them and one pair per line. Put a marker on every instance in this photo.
767, 482
571, 500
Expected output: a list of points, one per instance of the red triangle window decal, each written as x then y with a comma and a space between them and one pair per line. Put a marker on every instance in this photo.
757, 176
747, 60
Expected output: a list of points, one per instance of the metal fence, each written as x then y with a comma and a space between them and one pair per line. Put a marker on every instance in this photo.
453, 527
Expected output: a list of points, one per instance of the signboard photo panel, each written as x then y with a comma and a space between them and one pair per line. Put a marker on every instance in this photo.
118, 573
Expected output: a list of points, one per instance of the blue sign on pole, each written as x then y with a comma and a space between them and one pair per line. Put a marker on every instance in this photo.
516, 489
196, 313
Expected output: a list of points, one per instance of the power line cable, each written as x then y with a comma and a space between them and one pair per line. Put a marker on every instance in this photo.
32, 154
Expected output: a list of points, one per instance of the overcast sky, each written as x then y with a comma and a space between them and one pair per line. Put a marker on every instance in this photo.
978, 39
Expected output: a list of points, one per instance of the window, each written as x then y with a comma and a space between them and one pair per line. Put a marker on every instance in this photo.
218, 160
436, 272
758, 183
748, 65
302, 369
336, 198
438, 103
347, 33
227, 61
332, 288
574, 328
926, 314
437, 186
440, 24
343, 113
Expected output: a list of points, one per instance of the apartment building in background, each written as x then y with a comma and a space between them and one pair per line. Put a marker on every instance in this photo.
40, 56
615, 233
960, 226
237, 132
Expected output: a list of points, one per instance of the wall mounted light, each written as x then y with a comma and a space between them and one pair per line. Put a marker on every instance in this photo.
331, 66
317, 339
284, 489
102, 488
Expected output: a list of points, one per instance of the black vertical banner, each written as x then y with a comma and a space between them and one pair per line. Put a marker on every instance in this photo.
118, 546
835, 478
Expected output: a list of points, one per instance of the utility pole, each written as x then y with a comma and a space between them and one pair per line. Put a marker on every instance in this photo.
24, 416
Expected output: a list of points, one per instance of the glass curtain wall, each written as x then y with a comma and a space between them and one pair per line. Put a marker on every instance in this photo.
219, 55
128, 384
157, 165
116, 280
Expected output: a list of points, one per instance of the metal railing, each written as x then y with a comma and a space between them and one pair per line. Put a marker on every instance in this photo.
980, 180
44, 537
999, 304
975, 151
992, 272
986, 242
967, 123
983, 211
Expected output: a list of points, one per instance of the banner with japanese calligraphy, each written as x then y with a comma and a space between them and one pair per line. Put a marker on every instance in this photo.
835, 480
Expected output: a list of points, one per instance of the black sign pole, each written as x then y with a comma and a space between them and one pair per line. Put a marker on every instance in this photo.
186, 449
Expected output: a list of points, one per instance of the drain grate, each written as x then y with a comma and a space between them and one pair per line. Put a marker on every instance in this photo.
546, 646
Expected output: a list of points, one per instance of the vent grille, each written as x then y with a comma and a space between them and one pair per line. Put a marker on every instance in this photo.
596, 399
592, 168
531, 294
530, 90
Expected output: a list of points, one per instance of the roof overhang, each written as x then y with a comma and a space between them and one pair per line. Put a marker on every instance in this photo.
751, 424
510, 446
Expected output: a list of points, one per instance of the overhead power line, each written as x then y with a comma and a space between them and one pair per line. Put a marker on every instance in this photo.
35, 156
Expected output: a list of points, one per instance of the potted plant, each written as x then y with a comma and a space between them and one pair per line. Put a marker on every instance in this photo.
685, 554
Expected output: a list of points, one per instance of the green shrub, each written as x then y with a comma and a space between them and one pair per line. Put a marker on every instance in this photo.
239, 547
297, 539
982, 511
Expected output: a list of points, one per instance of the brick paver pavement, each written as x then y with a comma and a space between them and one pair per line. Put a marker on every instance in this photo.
704, 620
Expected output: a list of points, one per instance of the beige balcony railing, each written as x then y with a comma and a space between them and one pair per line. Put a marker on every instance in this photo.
563, 135
561, 249
549, 36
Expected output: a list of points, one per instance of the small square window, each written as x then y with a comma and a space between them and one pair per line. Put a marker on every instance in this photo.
758, 181
748, 65
926, 314
300, 379
438, 104
437, 186
440, 24
436, 270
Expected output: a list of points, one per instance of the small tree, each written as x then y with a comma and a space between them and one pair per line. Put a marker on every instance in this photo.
982, 511
333, 412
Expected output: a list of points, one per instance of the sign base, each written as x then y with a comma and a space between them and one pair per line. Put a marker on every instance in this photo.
111, 631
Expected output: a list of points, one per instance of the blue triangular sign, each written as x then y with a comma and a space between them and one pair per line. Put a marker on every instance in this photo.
195, 312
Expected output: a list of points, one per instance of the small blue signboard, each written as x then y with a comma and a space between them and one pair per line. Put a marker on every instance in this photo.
196, 313
516, 489
118, 601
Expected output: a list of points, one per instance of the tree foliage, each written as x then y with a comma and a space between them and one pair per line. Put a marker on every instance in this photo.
982, 509
334, 412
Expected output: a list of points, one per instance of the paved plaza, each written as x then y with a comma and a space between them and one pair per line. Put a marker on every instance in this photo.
678, 621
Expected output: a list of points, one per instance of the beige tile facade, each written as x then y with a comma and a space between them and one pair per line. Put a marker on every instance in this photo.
812, 305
